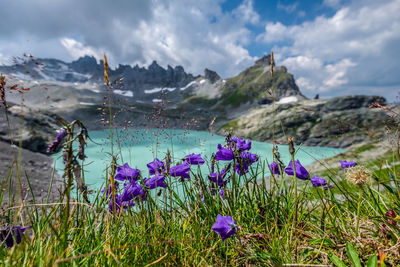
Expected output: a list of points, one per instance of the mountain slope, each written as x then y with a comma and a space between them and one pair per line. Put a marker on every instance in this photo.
256, 85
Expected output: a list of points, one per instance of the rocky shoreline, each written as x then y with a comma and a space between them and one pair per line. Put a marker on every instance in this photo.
36, 167
338, 122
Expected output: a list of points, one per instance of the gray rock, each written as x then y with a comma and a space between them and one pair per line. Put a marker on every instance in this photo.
314, 122
211, 75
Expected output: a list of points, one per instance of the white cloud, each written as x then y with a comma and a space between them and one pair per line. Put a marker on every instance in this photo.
246, 12
274, 32
77, 49
332, 3
355, 47
3, 59
188, 37
288, 8
193, 33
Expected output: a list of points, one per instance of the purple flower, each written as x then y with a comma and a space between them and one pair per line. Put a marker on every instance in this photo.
156, 166
60, 136
347, 164
248, 157
128, 204
223, 153
11, 235
244, 160
127, 173
109, 189
242, 168
194, 159
181, 170
301, 172
225, 226
317, 181
155, 181
118, 204
241, 143
218, 178
274, 167
131, 190
222, 192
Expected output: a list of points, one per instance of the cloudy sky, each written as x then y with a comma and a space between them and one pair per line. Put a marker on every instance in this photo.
333, 47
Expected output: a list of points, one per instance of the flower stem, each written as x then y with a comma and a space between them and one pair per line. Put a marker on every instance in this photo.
358, 208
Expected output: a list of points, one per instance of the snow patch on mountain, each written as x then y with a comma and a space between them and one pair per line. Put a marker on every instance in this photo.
158, 89
289, 99
188, 85
123, 93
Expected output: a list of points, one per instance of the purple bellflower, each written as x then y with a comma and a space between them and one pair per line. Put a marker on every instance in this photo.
347, 164
127, 173
131, 190
225, 226
156, 166
244, 161
222, 192
60, 136
241, 143
118, 204
242, 168
223, 153
155, 181
218, 178
301, 172
274, 167
181, 170
317, 181
194, 159
12, 234
109, 189
248, 157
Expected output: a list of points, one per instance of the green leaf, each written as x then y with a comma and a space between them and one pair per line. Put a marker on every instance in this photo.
324, 241
353, 256
372, 261
335, 260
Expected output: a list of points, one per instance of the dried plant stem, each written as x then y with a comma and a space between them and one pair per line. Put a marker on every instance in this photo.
358, 208
68, 173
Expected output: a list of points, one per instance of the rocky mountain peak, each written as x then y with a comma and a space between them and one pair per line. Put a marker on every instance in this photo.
264, 61
155, 67
211, 75
86, 64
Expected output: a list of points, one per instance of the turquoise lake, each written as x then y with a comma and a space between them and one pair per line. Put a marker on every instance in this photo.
138, 147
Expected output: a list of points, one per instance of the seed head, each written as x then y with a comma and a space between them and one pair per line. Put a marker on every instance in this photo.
359, 175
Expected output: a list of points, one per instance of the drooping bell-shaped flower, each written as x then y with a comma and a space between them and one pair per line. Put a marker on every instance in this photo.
127, 173
225, 226
155, 181
118, 204
242, 168
12, 235
108, 192
248, 157
317, 181
131, 190
241, 144
57, 141
224, 153
218, 178
194, 159
347, 164
301, 172
274, 167
181, 170
156, 166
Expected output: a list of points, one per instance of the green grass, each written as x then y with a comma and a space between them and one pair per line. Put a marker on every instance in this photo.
172, 230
